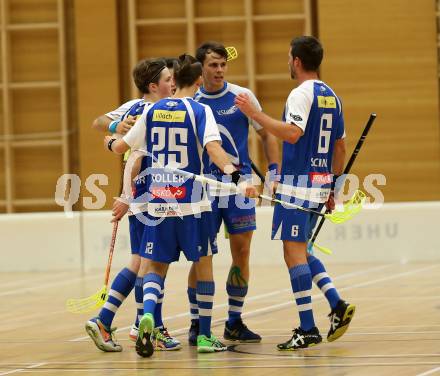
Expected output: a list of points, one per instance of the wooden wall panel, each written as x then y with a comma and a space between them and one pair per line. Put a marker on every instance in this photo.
19, 11
381, 56
97, 87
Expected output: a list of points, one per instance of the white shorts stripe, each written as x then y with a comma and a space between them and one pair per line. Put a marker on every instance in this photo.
205, 298
205, 312
153, 285
327, 287
117, 295
150, 297
304, 307
110, 307
319, 276
302, 294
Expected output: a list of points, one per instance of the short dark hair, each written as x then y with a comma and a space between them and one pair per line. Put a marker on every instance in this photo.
208, 47
186, 71
309, 50
146, 72
169, 61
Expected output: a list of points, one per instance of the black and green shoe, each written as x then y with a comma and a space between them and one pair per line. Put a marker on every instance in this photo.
340, 318
301, 339
144, 346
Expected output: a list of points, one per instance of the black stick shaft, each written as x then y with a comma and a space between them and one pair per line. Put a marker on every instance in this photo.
257, 171
349, 165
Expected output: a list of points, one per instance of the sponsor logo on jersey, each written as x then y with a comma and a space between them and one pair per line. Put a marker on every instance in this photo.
326, 102
167, 209
322, 88
318, 162
169, 116
169, 192
295, 117
320, 178
229, 111
167, 178
172, 104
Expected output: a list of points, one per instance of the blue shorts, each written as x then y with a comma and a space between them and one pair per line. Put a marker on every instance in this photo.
136, 228
292, 224
195, 237
237, 211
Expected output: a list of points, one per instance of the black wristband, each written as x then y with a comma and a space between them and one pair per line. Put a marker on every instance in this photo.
236, 177
110, 143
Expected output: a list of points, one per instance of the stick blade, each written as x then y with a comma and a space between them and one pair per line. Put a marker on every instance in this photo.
85, 305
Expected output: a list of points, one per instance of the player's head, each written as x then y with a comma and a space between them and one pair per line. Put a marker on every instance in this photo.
305, 55
151, 76
213, 56
170, 65
187, 71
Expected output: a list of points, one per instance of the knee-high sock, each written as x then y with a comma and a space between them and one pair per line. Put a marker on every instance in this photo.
301, 280
119, 290
323, 281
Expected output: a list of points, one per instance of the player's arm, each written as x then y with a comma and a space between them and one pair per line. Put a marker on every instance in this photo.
270, 147
339, 157
219, 157
111, 121
134, 139
284, 131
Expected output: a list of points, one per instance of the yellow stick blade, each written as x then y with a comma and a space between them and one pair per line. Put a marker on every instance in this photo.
232, 53
325, 250
88, 304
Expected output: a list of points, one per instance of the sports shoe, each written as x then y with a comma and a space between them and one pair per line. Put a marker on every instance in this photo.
102, 336
301, 339
209, 344
238, 331
340, 318
162, 341
144, 346
133, 333
193, 332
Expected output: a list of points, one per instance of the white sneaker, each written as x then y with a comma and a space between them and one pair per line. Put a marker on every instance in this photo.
102, 336
134, 331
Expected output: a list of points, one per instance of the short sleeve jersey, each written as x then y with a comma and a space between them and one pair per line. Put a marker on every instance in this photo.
174, 132
306, 166
232, 124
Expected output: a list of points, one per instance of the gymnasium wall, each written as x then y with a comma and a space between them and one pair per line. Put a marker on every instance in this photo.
81, 241
64, 62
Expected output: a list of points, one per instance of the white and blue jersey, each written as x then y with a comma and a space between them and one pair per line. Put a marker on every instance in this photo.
306, 171
237, 212
307, 165
174, 131
232, 124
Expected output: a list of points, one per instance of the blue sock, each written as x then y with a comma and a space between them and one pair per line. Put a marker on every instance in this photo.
139, 297
152, 288
323, 281
236, 295
301, 280
158, 310
205, 299
119, 290
193, 307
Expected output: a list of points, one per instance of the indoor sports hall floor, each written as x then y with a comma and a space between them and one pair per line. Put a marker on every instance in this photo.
396, 328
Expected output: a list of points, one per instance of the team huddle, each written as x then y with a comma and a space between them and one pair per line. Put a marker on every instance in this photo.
191, 122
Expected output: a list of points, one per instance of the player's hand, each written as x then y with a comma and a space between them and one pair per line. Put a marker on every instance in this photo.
330, 203
124, 126
248, 190
120, 208
244, 104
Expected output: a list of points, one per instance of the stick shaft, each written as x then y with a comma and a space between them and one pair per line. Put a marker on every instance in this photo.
110, 253
349, 165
